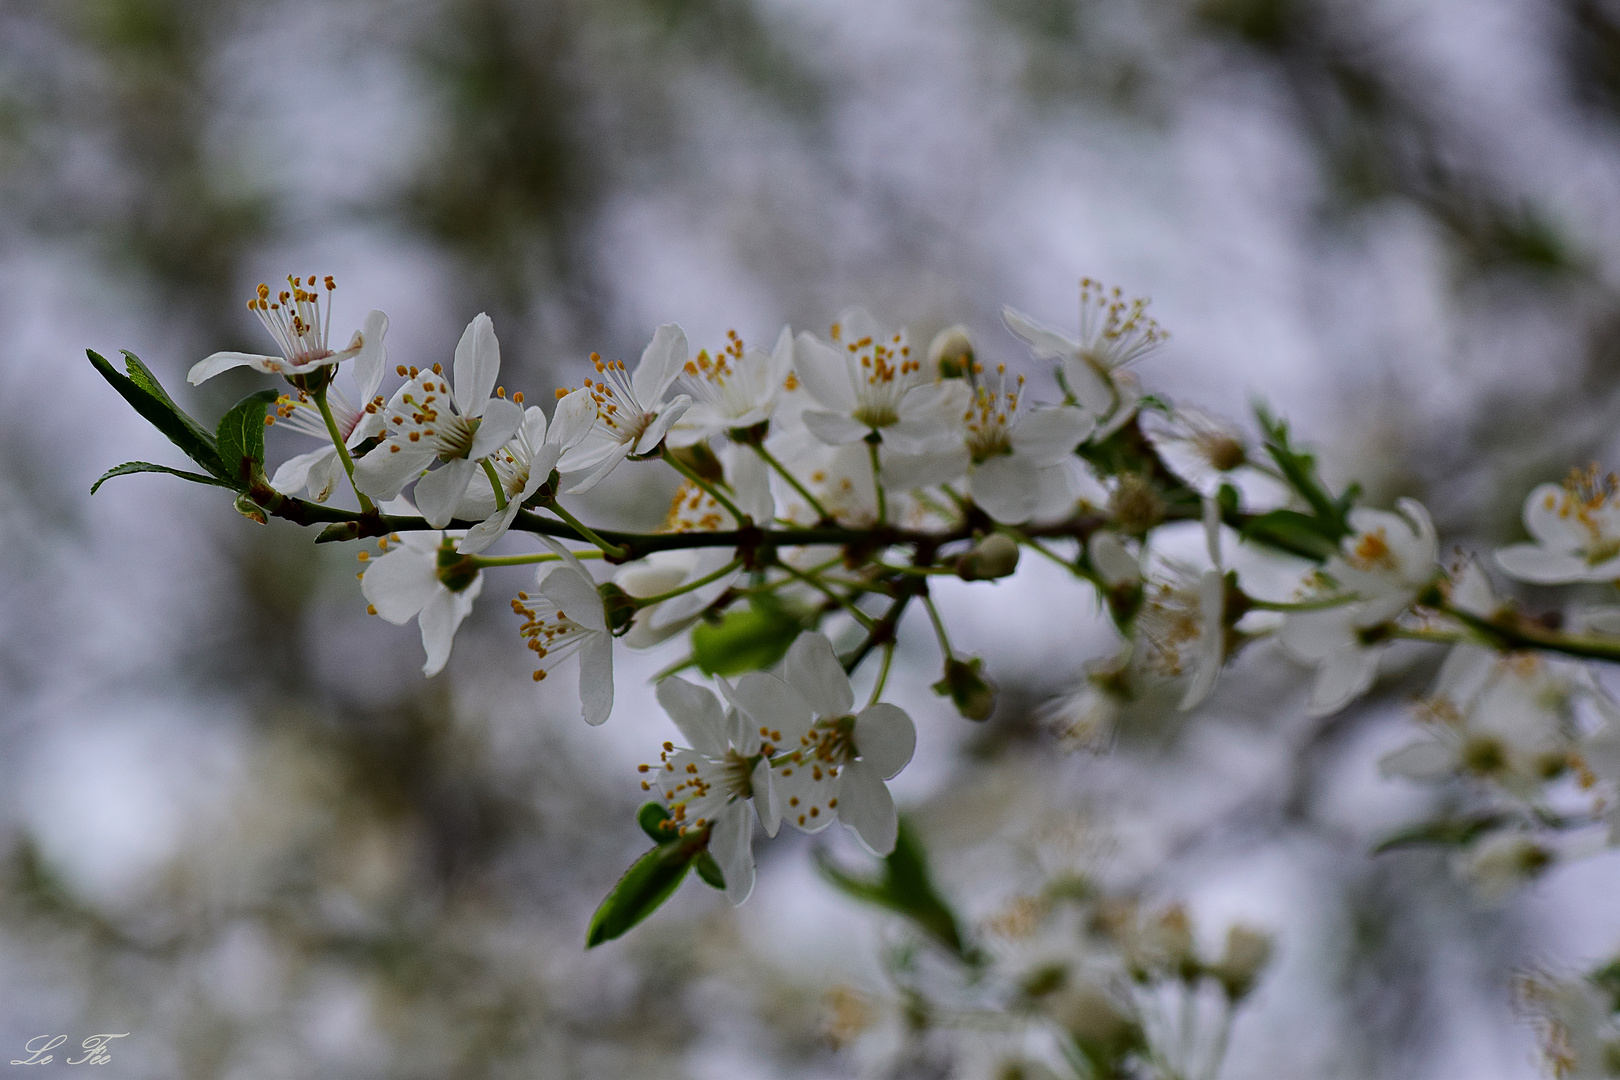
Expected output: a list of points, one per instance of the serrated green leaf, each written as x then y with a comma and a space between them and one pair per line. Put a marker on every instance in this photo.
651, 818
141, 389
129, 467
1292, 531
746, 639
709, 871
240, 437
650, 881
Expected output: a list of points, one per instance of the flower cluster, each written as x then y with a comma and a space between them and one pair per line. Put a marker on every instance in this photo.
822, 484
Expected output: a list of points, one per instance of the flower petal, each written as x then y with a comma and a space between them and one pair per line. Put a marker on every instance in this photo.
1343, 677
812, 668
731, 842
766, 799
671, 412
294, 473
439, 491
865, 805
617, 453
834, 429
573, 419
477, 366
486, 532
574, 594
1427, 761
824, 373
885, 738
207, 368
1542, 566
439, 621
696, 711
500, 423
382, 473
661, 361
1047, 436
400, 584
1549, 518
373, 358
596, 678
1005, 488
772, 703
1044, 342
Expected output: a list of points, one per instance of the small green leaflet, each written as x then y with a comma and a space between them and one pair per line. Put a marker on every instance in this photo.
142, 390
240, 438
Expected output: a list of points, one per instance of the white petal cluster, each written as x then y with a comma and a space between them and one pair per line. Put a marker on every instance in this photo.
632, 415
302, 329
1576, 527
1379, 571
565, 616
420, 577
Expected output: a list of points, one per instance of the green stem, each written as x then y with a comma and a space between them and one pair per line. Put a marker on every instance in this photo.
842, 601
1300, 605
585, 531
495, 483
883, 674
877, 484
527, 560
1437, 637
743, 520
793, 481
366, 506
939, 628
1511, 633
648, 601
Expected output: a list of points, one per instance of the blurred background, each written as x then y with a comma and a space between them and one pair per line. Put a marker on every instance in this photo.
237, 823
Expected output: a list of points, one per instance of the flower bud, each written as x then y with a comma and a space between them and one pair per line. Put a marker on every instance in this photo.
996, 556
1135, 506
1247, 952
251, 510
951, 352
973, 694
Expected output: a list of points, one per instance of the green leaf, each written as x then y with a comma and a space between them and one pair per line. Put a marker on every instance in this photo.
709, 871
1447, 832
746, 639
129, 467
650, 881
1292, 531
1299, 469
240, 438
651, 818
904, 888
141, 389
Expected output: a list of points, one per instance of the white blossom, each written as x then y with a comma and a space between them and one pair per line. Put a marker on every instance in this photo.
1017, 459
302, 330
1201, 448
866, 380
319, 471
1504, 717
420, 577
1576, 528
527, 461
1381, 567
839, 763
428, 422
1114, 333
725, 768
734, 389
632, 416
567, 617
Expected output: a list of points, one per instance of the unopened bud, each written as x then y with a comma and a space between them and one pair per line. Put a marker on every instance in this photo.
996, 556
619, 607
951, 352
251, 510
1247, 952
973, 694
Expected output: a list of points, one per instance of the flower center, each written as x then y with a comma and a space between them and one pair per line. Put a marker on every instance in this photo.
991, 416
295, 318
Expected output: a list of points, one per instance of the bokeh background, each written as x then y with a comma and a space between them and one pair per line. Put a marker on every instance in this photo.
236, 822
